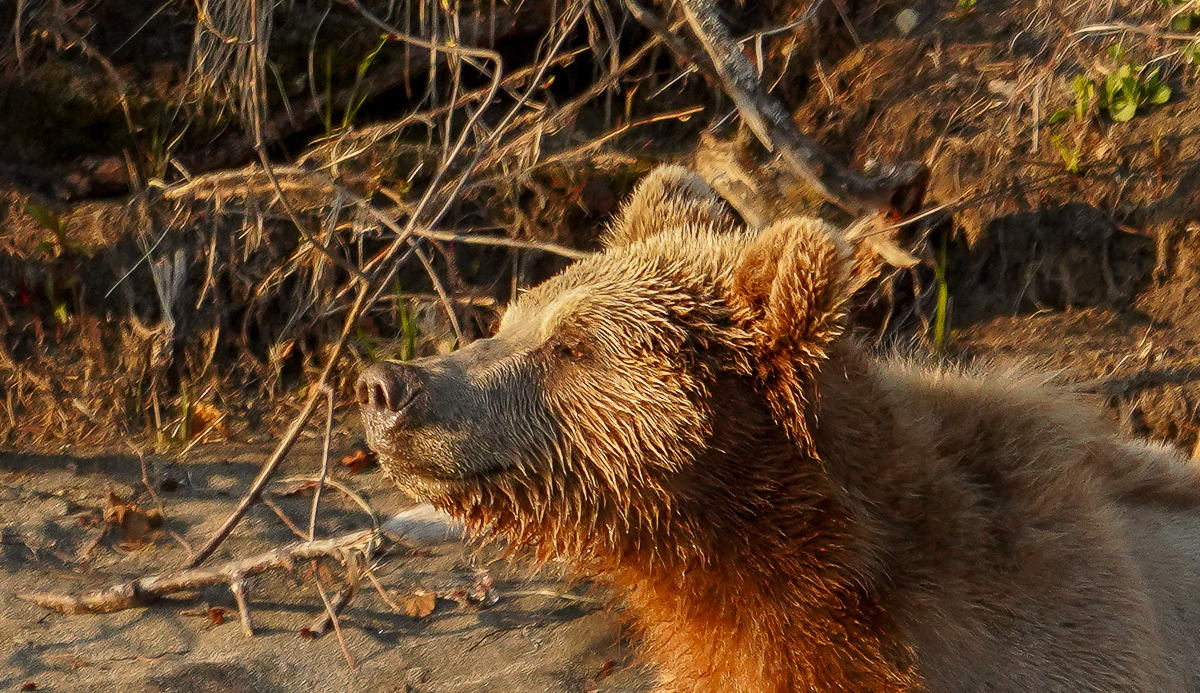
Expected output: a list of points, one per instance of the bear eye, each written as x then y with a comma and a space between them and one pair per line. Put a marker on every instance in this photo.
569, 350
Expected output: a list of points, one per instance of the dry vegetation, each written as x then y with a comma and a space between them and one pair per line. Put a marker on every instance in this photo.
213, 210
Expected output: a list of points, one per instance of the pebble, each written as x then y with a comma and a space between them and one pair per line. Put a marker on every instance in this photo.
907, 20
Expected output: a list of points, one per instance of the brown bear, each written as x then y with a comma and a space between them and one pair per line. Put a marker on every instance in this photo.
684, 415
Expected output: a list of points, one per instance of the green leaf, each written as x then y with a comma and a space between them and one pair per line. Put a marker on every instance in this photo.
1071, 157
1123, 109
44, 217
1085, 94
1159, 95
1059, 116
1191, 52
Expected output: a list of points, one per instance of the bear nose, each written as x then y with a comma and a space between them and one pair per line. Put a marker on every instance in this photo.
386, 387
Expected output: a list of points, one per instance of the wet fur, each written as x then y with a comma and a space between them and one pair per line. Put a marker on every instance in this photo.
780, 512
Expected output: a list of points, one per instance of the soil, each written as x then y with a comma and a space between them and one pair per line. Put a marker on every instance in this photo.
544, 634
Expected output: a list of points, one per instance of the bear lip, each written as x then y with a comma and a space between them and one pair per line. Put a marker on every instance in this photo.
408, 401
427, 478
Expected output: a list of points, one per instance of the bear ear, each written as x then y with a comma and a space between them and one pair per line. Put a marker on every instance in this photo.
791, 285
668, 197
789, 291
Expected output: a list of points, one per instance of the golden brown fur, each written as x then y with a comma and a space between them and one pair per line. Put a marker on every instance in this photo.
779, 511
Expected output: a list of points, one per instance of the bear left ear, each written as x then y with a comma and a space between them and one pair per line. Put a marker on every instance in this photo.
790, 291
668, 197
791, 285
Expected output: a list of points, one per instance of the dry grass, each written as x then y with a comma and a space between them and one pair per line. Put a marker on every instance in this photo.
232, 290
302, 188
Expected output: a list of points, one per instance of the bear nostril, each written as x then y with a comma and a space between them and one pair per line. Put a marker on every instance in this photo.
386, 387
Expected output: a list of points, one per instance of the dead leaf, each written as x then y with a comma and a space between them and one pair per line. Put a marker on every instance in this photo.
359, 460
136, 525
217, 615
420, 604
482, 592
205, 420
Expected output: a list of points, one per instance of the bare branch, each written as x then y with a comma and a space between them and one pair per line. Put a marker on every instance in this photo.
289, 438
897, 188
145, 590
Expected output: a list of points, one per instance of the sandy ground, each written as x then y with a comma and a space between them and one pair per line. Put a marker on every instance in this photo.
545, 634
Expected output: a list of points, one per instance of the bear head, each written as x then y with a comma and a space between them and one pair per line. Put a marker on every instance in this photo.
619, 395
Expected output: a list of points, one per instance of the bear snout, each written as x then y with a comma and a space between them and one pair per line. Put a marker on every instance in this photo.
386, 389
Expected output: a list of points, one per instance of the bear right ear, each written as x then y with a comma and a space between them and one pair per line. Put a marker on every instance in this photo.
668, 197
789, 291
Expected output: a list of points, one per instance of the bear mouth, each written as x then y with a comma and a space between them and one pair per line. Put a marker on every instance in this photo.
426, 475
444, 491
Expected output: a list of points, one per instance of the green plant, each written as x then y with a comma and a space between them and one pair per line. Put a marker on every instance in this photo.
408, 327
1191, 53
1185, 14
1120, 93
1125, 89
943, 300
357, 95
59, 244
1072, 157
965, 6
1085, 94
60, 281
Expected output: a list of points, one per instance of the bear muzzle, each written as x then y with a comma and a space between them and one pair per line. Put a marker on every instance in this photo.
386, 393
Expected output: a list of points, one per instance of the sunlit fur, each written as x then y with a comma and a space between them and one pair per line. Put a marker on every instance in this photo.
683, 416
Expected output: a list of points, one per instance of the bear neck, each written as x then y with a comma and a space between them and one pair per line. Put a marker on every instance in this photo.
759, 519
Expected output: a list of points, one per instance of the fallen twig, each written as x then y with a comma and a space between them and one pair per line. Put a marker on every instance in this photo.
362, 545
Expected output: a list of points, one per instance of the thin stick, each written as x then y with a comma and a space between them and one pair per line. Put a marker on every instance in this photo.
288, 440
321, 625
900, 188
382, 592
266, 500
403, 237
312, 518
237, 585
441, 292
346, 490
145, 590
287, 208
552, 248
337, 628
1134, 29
